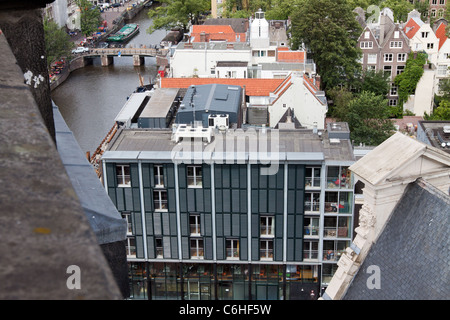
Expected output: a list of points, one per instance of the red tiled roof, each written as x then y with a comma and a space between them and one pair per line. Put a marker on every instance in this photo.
440, 34
291, 56
411, 28
216, 32
253, 87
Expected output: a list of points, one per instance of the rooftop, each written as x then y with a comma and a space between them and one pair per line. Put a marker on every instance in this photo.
413, 250
253, 87
293, 145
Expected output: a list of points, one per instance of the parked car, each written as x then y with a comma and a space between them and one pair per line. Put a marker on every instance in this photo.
115, 5
80, 50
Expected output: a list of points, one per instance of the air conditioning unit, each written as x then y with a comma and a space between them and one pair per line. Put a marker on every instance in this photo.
218, 120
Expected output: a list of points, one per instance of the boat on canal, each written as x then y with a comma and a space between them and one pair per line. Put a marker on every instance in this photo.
125, 33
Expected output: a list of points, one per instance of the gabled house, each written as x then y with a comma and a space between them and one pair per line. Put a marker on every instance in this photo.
385, 47
443, 57
421, 36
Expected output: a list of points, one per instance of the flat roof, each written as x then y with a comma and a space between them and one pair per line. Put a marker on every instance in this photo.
160, 103
130, 107
291, 145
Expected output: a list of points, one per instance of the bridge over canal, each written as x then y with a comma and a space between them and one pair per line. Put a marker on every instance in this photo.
107, 55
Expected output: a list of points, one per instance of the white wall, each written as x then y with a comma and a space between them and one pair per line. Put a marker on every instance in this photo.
184, 61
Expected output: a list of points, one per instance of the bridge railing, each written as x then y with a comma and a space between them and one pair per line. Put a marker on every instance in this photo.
124, 51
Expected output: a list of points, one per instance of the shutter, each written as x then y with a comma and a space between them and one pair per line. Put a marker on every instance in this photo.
166, 247
139, 247
220, 248
151, 247
165, 224
157, 223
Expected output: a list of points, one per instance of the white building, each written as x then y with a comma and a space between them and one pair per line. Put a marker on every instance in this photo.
443, 57
422, 36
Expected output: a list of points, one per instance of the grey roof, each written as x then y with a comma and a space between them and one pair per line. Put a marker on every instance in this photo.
210, 99
413, 250
239, 25
101, 213
160, 103
293, 145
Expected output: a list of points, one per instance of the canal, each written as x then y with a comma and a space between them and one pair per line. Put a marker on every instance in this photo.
91, 97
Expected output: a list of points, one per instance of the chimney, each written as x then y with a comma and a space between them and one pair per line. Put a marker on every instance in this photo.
382, 28
202, 36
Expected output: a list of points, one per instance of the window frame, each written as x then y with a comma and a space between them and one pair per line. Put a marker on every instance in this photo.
197, 178
160, 200
121, 177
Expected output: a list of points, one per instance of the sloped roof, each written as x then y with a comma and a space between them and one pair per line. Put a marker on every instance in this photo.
393, 154
253, 87
440, 34
239, 25
412, 26
412, 252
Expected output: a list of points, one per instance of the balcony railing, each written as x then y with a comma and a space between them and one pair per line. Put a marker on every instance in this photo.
336, 232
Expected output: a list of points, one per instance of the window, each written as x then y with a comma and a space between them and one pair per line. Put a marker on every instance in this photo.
392, 102
123, 175
367, 35
310, 250
159, 247
197, 248
311, 226
194, 176
131, 247
232, 248
266, 249
393, 90
336, 227
400, 69
338, 177
333, 249
127, 217
387, 70
424, 34
396, 45
160, 199
338, 202
159, 176
267, 227
194, 224
430, 45
312, 201
366, 45
401, 57
312, 177
388, 57
442, 70
371, 68
372, 58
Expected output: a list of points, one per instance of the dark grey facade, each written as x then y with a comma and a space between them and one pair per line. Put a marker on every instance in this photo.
223, 230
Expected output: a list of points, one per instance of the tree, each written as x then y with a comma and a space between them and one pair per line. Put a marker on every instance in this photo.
442, 112
408, 79
329, 29
90, 17
368, 119
401, 8
376, 82
57, 42
176, 13
340, 98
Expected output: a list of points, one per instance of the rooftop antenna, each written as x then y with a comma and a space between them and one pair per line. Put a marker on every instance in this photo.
191, 103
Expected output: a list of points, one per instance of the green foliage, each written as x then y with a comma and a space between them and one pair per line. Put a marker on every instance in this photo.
442, 112
408, 79
330, 31
90, 17
177, 13
401, 8
57, 42
368, 119
340, 97
376, 82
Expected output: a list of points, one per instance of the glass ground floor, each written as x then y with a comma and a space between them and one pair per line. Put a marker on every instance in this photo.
214, 281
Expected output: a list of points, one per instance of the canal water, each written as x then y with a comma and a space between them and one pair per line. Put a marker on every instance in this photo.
91, 97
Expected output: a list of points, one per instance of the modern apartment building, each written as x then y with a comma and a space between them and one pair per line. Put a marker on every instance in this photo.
232, 213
